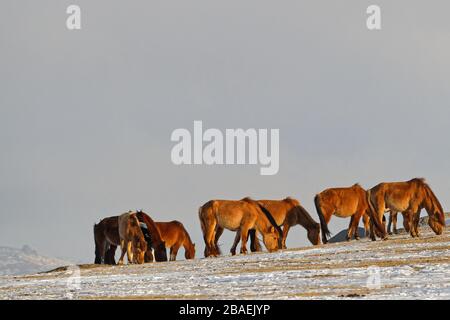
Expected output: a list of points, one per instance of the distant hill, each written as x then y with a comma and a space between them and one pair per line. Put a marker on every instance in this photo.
15, 261
341, 236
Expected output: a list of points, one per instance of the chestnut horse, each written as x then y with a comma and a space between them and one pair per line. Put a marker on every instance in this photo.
408, 197
342, 202
241, 215
288, 213
175, 235
158, 244
132, 239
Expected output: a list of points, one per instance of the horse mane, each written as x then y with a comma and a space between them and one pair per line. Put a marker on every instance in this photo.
151, 226
418, 180
433, 197
266, 213
356, 185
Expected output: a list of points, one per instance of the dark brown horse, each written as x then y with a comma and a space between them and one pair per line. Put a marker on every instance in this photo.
107, 239
174, 236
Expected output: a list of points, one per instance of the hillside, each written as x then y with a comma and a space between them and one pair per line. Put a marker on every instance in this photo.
15, 261
398, 268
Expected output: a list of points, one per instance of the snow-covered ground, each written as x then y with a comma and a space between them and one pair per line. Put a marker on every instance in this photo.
398, 268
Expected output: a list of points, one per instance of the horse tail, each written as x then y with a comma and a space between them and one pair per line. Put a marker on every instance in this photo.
98, 257
373, 214
323, 224
202, 223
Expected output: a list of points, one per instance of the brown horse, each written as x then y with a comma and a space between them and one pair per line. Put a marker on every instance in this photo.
241, 215
106, 237
175, 235
132, 239
342, 202
288, 213
408, 197
158, 244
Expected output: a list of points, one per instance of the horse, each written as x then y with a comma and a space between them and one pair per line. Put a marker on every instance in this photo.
174, 236
342, 202
408, 197
157, 243
132, 239
107, 239
288, 213
237, 215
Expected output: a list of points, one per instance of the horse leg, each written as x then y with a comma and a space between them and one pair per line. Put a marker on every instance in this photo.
350, 228
174, 251
391, 218
406, 222
130, 252
416, 222
394, 221
219, 231
210, 238
244, 238
372, 230
410, 222
366, 220
235, 242
255, 246
110, 253
123, 248
286, 228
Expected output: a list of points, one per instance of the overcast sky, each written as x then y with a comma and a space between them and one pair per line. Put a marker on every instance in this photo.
86, 116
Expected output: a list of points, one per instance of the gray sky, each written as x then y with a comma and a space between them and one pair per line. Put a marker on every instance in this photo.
86, 116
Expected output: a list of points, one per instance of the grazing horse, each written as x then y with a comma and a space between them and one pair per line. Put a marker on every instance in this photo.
241, 215
175, 235
408, 197
158, 244
106, 237
132, 239
288, 213
342, 202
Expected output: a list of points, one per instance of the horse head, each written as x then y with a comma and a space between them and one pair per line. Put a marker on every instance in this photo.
271, 239
189, 253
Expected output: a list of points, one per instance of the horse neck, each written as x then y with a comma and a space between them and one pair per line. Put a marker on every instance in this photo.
263, 223
187, 243
151, 226
304, 218
431, 203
